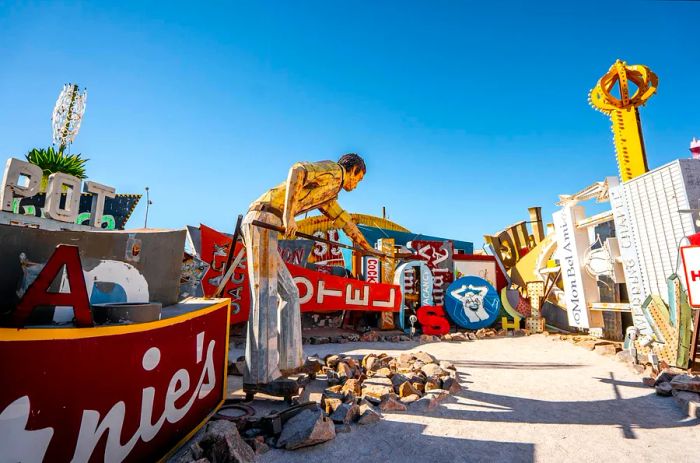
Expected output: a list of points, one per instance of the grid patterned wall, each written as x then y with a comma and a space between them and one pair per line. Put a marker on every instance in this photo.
653, 200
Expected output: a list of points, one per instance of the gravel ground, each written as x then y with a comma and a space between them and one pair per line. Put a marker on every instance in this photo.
524, 399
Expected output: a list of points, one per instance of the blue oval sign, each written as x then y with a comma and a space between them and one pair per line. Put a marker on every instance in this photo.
472, 303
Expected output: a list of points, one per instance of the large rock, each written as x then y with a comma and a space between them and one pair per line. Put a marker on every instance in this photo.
368, 415
222, 443
398, 379
420, 387
665, 377
373, 364
365, 360
438, 394
406, 357
330, 404
390, 404
445, 365
383, 372
686, 383
425, 357
424, 404
346, 413
431, 369
377, 387
352, 363
344, 370
664, 389
409, 399
689, 402
649, 381
451, 385
309, 427
407, 389
352, 386
433, 383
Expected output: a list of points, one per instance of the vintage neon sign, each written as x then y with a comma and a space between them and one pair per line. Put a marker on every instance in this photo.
472, 302
372, 269
438, 255
12, 188
166, 380
404, 278
515, 241
319, 292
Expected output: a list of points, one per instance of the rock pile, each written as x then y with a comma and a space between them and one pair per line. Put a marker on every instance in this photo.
354, 392
218, 442
684, 388
359, 391
379, 336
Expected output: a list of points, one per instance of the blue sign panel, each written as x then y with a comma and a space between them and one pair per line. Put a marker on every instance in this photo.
472, 303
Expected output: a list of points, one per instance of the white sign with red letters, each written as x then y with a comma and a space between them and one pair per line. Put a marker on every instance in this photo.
691, 268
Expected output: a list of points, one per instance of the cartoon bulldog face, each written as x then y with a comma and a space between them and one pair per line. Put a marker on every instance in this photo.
474, 307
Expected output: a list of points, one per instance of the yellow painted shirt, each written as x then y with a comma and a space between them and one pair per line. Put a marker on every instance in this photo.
322, 182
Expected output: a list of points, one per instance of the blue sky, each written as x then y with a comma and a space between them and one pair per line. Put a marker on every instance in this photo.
467, 113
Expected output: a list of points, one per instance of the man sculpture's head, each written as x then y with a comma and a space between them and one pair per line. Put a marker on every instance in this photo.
355, 169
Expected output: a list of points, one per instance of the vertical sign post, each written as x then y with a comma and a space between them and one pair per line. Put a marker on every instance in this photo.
386, 246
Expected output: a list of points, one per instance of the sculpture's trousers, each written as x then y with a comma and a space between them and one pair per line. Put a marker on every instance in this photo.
273, 339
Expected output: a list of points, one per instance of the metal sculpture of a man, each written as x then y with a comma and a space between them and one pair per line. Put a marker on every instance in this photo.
274, 327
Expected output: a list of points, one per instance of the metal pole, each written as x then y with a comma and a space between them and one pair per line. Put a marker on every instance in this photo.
148, 203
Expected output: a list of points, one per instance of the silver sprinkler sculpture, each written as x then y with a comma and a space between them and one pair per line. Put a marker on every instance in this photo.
67, 115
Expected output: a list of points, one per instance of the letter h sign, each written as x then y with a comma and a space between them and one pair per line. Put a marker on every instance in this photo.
691, 268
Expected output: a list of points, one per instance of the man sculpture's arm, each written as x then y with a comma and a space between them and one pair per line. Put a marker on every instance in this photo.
341, 219
295, 182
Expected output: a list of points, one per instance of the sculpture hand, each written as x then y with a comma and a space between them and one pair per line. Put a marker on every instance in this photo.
291, 229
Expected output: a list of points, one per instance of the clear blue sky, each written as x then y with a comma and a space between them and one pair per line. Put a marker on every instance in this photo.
467, 113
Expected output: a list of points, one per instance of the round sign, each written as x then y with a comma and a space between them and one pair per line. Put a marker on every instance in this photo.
472, 303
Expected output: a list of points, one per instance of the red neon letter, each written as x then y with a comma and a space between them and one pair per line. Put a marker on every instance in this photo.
433, 320
38, 293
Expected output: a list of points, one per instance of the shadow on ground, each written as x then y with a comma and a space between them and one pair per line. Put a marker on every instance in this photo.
402, 442
644, 412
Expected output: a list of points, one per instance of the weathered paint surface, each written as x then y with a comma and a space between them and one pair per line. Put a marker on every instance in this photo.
438, 256
168, 378
472, 302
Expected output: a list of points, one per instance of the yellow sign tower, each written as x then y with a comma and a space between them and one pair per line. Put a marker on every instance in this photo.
626, 127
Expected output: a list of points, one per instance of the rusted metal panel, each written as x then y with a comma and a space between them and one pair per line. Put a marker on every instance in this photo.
156, 270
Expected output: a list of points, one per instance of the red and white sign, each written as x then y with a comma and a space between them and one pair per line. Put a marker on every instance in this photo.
318, 292
118, 393
691, 268
438, 256
215, 247
326, 293
372, 269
